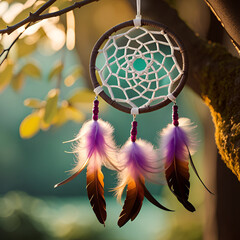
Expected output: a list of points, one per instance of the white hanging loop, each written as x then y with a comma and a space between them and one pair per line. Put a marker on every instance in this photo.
137, 20
171, 97
138, 9
135, 111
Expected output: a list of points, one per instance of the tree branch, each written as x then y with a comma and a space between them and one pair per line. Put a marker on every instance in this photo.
34, 17
7, 50
214, 75
29, 19
227, 12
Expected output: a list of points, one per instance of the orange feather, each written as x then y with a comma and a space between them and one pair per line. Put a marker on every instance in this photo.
95, 190
133, 202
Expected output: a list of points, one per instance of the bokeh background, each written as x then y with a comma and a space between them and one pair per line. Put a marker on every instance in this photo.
30, 208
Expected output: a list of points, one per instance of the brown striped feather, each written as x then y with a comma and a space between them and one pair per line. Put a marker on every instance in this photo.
95, 190
177, 175
133, 202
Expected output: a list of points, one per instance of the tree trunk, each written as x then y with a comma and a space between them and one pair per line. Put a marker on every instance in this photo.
228, 199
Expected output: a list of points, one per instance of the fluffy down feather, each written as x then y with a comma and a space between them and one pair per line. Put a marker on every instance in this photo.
94, 147
139, 162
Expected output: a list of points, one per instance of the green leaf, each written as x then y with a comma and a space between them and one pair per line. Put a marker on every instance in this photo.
82, 96
56, 70
6, 73
17, 82
30, 125
51, 105
34, 103
31, 70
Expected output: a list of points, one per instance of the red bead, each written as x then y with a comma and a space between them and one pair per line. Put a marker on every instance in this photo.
134, 131
175, 123
95, 110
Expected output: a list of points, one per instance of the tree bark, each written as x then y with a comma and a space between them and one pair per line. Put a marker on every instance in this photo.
227, 12
228, 198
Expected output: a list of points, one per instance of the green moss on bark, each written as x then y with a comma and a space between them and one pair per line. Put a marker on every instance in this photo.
220, 87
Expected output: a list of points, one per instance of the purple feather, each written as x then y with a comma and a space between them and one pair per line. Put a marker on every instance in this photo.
94, 146
175, 140
176, 144
139, 162
138, 159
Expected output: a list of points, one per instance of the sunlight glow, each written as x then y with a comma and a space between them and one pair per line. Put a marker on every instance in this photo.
69, 81
53, 9
56, 35
70, 41
33, 29
21, 29
12, 12
29, 3
3, 7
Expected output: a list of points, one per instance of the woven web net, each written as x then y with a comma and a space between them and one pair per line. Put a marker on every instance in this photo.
139, 67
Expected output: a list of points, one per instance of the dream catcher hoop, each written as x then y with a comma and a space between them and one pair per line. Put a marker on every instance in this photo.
140, 69
137, 66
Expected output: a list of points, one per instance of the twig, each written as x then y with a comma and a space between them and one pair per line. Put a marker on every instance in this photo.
7, 50
34, 17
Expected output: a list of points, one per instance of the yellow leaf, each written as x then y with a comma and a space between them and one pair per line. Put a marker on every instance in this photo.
24, 49
82, 96
38, 4
57, 69
71, 78
22, 15
30, 125
31, 70
6, 73
51, 105
64, 4
43, 125
2, 24
66, 113
34, 103
74, 114
61, 117
17, 82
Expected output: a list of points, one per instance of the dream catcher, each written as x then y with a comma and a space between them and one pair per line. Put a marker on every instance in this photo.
137, 67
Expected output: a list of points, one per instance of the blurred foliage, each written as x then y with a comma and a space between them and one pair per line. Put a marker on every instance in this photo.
51, 35
188, 231
23, 217
54, 112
